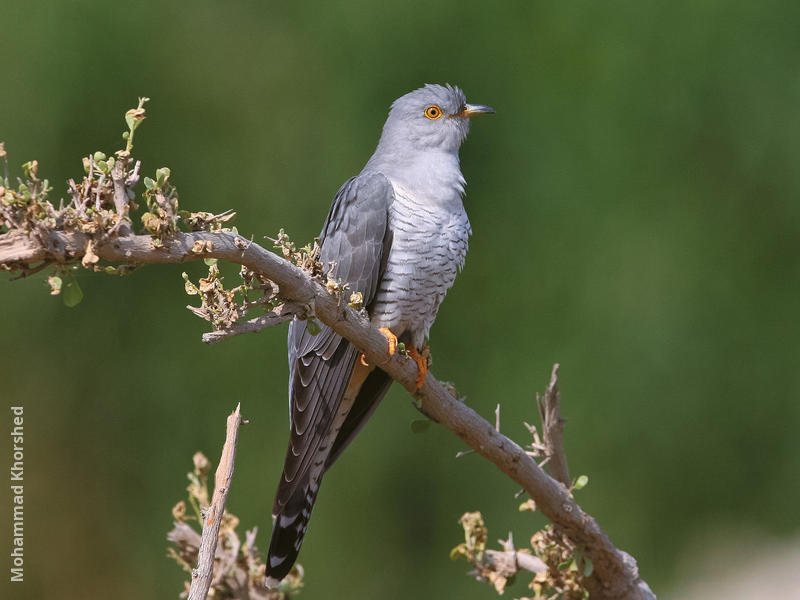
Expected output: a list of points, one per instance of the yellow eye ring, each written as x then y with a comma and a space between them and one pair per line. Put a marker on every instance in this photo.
433, 112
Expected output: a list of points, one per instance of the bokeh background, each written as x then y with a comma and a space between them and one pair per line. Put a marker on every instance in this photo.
635, 211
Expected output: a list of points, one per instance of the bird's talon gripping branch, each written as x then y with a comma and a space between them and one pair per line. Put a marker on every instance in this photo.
422, 365
391, 338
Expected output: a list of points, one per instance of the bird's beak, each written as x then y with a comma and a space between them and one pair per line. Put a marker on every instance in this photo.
470, 110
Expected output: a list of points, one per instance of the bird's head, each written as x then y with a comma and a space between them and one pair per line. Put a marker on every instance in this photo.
434, 117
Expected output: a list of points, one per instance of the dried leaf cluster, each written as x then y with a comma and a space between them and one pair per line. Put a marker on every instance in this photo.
566, 567
558, 568
223, 307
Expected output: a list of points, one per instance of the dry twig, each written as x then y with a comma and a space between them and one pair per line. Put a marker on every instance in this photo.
201, 576
553, 429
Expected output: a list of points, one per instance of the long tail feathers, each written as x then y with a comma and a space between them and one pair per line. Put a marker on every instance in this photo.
288, 532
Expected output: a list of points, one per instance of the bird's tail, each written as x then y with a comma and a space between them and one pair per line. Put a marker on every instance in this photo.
289, 529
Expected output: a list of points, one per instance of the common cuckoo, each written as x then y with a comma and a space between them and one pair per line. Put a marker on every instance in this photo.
397, 232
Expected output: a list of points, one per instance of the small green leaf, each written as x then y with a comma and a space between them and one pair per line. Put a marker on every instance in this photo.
573, 566
420, 425
581, 482
71, 292
149, 184
210, 261
98, 156
588, 567
162, 175
30, 168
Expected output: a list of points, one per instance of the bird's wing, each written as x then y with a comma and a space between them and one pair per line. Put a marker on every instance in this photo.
355, 240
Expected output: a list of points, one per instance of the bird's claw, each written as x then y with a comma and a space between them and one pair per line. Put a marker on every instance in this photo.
422, 365
391, 338
420, 358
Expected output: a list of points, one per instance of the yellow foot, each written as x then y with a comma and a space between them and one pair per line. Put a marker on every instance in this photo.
422, 364
391, 338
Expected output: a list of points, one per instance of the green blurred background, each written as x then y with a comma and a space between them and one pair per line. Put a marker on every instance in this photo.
635, 216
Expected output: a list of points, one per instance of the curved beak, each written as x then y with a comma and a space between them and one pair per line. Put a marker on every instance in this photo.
470, 110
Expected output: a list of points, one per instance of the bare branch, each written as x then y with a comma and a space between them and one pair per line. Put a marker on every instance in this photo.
202, 575
615, 573
510, 562
123, 225
553, 429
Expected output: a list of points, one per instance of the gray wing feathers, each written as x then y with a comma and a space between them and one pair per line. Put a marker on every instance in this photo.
354, 240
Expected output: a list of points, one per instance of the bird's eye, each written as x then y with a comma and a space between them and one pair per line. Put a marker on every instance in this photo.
433, 112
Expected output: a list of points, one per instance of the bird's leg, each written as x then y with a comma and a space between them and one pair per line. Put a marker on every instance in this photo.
390, 338
421, 358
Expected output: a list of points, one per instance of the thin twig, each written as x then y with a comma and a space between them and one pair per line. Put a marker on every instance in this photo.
202, 575
510, 562
133, 179
121, 196
281, 314
28, 271
553, 429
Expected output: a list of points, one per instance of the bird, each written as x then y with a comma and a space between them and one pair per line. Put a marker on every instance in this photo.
397, 233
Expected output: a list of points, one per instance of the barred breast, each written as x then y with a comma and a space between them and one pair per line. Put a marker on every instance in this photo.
429, 245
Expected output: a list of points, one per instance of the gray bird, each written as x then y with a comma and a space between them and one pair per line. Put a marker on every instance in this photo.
397, 233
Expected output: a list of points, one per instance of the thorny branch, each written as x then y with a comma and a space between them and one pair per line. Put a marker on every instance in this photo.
33, 232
